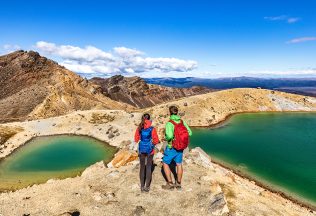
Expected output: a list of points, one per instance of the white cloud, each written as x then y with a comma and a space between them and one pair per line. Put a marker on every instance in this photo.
129, 70
127, 52
302, 39
89, 53
7, 48
121, 60
286, 18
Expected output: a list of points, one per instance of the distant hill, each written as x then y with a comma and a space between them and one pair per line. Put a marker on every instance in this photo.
292, 85
32, 86
136, 92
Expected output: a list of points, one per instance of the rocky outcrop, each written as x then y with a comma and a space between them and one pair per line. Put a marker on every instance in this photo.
201, 158
32, 87
122, 158
136, 92
218, 205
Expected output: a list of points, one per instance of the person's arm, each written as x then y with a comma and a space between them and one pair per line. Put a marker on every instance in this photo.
137, 136
188, 128
169, 131
154, 136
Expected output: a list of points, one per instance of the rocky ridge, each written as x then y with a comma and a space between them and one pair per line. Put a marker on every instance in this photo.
136, 92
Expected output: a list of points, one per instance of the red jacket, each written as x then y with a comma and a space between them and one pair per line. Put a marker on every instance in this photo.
154, 134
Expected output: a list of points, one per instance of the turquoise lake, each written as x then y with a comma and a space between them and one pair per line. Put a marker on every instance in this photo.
278, 149
47, 157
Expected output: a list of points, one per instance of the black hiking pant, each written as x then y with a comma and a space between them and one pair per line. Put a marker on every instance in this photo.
146, 161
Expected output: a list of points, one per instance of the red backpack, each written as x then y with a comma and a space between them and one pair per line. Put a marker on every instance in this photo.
181, 136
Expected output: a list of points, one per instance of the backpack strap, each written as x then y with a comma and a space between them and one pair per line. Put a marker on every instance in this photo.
174, 123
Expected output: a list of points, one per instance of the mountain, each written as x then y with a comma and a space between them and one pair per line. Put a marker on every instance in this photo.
32, 86
136, 92
284, 84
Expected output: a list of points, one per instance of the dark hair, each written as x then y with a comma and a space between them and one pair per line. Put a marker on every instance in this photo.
146, 116
173, 110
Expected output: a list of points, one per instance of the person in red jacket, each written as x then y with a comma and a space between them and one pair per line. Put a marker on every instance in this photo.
147, 137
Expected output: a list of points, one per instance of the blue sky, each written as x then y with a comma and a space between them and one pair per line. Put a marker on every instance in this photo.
167, 38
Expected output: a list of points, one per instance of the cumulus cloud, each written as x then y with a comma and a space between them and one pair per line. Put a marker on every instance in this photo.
120, 60
88, 53
302, 39
285, 18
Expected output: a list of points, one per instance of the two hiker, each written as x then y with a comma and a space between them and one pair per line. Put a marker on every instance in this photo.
177, 137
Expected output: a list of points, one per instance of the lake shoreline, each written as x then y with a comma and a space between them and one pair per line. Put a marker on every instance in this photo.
76, 174
58, 134
241, 174
265, 186
226, 119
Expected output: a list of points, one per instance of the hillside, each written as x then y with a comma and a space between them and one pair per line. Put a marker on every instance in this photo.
212, 108
136, 92
32, 86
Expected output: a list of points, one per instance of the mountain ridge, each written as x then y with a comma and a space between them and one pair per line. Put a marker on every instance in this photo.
32, 87
137, 92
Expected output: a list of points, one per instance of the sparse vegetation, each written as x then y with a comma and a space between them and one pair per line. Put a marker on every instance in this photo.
97, 118
229, 193
230, 196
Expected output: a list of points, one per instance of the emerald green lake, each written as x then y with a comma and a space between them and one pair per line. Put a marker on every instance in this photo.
47, 157
278, 149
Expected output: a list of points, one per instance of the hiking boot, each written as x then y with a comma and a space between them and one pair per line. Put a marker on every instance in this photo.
142, 189
147, 189
168, 186
178, 185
